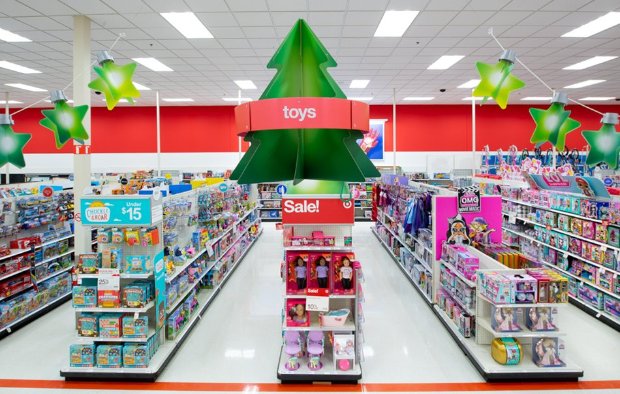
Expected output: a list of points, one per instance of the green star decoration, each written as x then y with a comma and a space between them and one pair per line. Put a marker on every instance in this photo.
12, 146
115, 82
496, 81
552, 125
65, 122
604, 145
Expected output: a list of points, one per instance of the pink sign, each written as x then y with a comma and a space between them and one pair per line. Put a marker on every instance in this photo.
555, 180
467, 228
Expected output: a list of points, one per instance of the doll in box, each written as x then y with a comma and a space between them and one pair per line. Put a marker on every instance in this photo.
546, 352
343, 273
575, 226
587, 229
574, 246
563, 223
600, 232
319, 275
505, 320
613, 236
297, 273
297, 315
539, 319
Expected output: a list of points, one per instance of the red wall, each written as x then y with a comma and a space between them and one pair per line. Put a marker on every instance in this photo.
211, 129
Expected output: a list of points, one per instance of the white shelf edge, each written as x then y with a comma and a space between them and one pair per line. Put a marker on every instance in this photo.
525, 333
458, 273
119, 310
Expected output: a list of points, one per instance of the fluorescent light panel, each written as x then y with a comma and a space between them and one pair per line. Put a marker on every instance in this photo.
395, 23
476, 98
536, 98
593, 61
152, 63
25, 87
596, 26
188, 24
18, 68
597, 98
10, 102
583, 84
362, 98
245, 84
472, 83
68, 101
7, 36
445, 62
236, 99
359, 83
140, 86
123, 100
418, 98
178, 100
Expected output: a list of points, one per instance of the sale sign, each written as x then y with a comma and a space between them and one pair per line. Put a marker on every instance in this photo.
311, 210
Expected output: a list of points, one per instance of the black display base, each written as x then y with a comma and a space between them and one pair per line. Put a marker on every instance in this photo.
603, 318
51, 306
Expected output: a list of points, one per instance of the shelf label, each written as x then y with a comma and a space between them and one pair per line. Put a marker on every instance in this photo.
117, 211
317, 211
317, 300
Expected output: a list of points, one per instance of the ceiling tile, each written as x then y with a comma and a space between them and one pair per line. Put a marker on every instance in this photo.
125, 7
14, 8
207, 6
287, 5
260, 32
481, 5
327, 5
446, 5
507, 18
325, 18
234, 43
88, 7
363, 18
226, 32
360, 31
217, 19
433, 18
253, 18
244, 5
525, 5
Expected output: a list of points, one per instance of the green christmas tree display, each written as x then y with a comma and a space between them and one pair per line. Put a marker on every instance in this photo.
298, 154
11, 143
604, 143
64, 120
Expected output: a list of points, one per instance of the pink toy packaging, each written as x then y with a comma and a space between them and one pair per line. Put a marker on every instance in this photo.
296, 272
524, 288
546, 352
613, 236
296, 313
320, 271
540, 319
343, 274
587, 229
600, 233
504, 319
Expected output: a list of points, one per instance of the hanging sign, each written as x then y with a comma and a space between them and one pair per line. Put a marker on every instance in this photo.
117, 211
585, 185
317, 211
469, 199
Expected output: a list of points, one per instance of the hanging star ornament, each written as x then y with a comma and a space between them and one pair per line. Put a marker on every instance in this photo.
114, 81
554, 123
65, 121
604, 143
496, 80
11, 143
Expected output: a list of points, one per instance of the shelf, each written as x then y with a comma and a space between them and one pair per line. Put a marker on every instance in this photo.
6, 330
537, 305
425, 296
404, 245
314, 326
320, 248
10, 274
17, 292
457, 300
550, 209
53, 241
189, 289
326, 374
482, 323
47, 260
459, 274
605, 317
69, 268
121, 339
178, 270
480, 356
122, 276
14, 252
117, 310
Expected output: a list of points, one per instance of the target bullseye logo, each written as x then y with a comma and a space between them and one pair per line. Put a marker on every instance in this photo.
347, 204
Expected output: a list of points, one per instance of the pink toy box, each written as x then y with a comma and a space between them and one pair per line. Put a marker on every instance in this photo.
296, 272
343, 273
296, 313
496, 287
524, 288
320, 271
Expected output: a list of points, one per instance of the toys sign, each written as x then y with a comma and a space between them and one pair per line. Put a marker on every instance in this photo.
317, 211
469, 199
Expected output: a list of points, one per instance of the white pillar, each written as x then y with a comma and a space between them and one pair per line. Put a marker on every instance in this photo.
81, 96
158, 134
6, 109
473, 134
394, 130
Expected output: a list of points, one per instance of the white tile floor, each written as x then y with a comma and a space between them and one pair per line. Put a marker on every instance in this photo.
238, 339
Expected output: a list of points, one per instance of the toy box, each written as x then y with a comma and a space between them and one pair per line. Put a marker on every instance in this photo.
175, 324
467, 264
505, 319
320, 270
135, 327
109, 356
613, 236
111, 258
88, 263
600, 232
611, 305
344, 351
606, 279
546, 352
563, 223
84, 296
137, 265
576, 225
82, 355
88, 325
108, 298
524, 288
296, 314
590, 295
587, 229
134, 296
298, 240
296, 272
496, 287
110, 325
575, 246
343, 273
506, 351
540, 319
135, 356
104, 236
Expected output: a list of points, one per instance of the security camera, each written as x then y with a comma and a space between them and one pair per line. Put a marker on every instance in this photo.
97, 93
442, 90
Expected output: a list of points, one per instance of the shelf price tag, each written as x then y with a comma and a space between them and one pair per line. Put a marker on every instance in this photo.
109, 279
317, 300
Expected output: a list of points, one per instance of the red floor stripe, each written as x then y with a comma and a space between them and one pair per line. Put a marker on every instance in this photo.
286, 388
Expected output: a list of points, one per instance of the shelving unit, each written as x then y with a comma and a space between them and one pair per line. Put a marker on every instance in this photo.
363, 203
270, 202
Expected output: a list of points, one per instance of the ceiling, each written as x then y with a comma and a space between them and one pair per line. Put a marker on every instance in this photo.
247, 32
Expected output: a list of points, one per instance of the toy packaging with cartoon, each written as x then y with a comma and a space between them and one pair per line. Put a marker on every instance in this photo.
320, 271
296, 272
343, 273
546, 352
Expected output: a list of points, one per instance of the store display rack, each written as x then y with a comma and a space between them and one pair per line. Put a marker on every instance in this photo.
363, 201
270, 202
185, 287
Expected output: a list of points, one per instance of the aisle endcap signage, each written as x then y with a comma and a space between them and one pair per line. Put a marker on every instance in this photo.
302, 113
469, 199
105, 211
317, 210
584, 185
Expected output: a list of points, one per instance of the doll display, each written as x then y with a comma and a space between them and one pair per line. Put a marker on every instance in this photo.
296, 272
539, 319
320, 271
505, 320
296, 313
343, 273
545, 352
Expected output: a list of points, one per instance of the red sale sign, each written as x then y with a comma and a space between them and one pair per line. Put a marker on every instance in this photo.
318, 210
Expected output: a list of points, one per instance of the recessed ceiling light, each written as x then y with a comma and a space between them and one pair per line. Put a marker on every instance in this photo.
140, 86
419, 98
18, 68
362, 98
152, 63
245, 84
445, 62
472, 83
583, 84
188, 24
476, 98
593, 61
178, 100
604, 22
597, 98
7, 36
25, 87
236, 99
10, 102
395, 23
536, 98
359, 83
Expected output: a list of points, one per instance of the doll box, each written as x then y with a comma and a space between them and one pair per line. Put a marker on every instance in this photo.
505, 319
82, 355
546, 352
296, 313
540, 319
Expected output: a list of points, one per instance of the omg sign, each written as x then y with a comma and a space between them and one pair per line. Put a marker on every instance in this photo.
469, 199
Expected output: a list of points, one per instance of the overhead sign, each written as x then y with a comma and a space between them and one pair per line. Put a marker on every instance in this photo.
469, 199
584, 185
317, 211
102, 211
